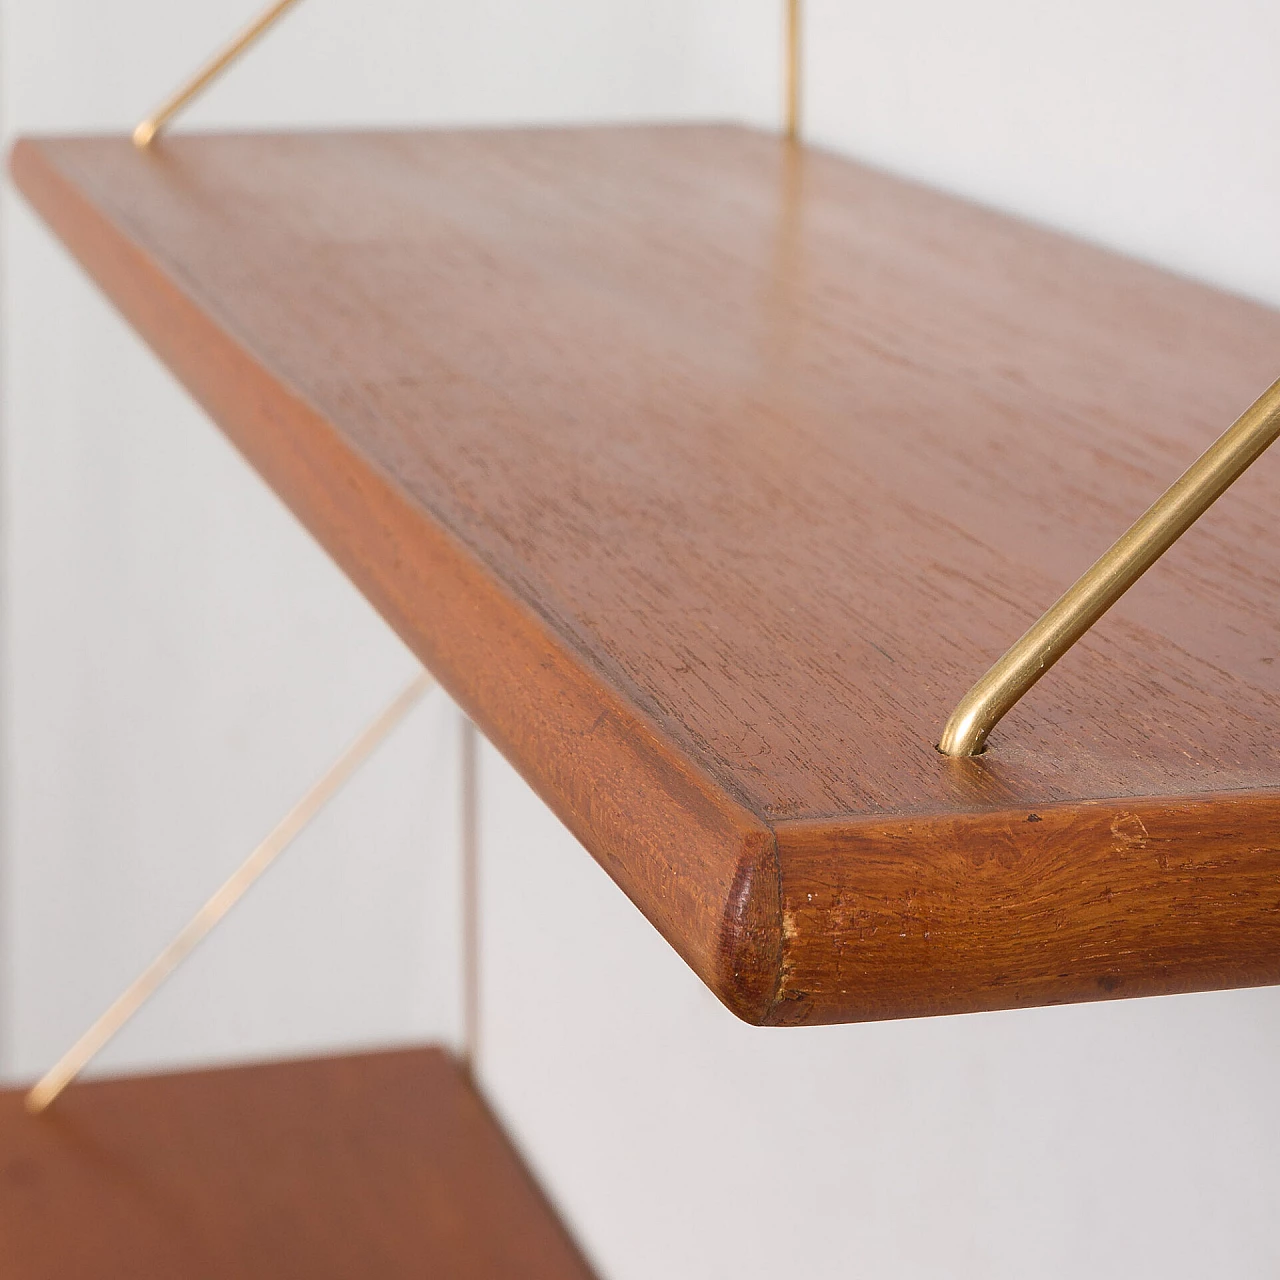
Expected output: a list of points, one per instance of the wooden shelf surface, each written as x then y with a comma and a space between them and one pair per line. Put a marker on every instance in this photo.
385, 1165
706, 473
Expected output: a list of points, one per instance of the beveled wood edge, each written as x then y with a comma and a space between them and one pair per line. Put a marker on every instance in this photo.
699, 865
912, 916
109, 1080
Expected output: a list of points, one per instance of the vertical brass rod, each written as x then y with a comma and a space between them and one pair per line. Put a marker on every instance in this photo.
793, 77
146, 131
1163, 523
470, 768
65, 1070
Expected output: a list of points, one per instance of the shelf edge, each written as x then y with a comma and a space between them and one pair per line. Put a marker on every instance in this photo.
699, 865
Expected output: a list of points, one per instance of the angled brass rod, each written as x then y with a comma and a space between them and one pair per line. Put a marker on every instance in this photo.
143, 987
1163, 523
147, 130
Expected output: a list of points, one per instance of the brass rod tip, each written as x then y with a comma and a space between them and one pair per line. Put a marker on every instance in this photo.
38, 1099
145, 133
963, 734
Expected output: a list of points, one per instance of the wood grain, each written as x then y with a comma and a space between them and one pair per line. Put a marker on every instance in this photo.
383, 1165
707, 472
1007, 909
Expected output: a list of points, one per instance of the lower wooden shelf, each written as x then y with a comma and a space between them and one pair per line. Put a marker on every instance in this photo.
386, 1165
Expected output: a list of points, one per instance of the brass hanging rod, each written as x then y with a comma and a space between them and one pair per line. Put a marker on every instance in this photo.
148, 129
145, 985
1160, 526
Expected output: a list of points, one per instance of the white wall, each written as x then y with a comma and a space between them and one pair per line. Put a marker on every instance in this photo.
180, 661
1148, 125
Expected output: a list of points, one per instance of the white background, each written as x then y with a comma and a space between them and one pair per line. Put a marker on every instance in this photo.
179, 661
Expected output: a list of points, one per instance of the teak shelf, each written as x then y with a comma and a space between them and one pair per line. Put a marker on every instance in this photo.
707, 471
385, 1165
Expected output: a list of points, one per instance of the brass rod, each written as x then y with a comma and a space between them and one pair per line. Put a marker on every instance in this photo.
470, 797
1163, 523
65, 1070
146, 131
794, 70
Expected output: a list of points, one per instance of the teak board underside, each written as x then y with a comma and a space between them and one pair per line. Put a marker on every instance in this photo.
706, 472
